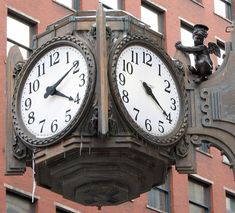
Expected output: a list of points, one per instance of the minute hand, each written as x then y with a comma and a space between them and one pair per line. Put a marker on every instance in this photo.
50, 90
149, 91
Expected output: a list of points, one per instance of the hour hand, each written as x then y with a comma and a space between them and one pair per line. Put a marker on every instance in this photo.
149, 91
58, 93
63, 95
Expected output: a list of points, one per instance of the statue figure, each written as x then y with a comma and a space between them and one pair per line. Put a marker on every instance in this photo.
203, 63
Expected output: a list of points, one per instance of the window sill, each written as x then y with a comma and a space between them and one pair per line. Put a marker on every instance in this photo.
198, 3
204, 153
225, 19
62, 5
227, 164
155, 209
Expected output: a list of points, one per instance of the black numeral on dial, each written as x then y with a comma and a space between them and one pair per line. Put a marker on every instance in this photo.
54, 126
42, 123
127, 67
68, 117
54, 58
125, 97
147, 59
168, 85
148, 125
160, 127
28, 104
34, 87
31, 118
41, 69
122, 79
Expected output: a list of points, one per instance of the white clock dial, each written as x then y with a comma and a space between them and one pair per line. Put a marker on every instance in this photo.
148, 90
53, 91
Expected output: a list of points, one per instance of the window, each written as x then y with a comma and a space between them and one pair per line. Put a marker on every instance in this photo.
153, 17
223, 8
64, 209
114, 4
186, 32
159, 198
199, 197
205, 147
225, 160
19, 203
230, 203
198, 1
221, 45
61, 210
20, 32
73, 4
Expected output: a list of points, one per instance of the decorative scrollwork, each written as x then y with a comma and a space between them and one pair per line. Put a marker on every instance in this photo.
182, 147
205, 106
92, 32
93, 123
19, 150
180, 66
18, 67
195, 140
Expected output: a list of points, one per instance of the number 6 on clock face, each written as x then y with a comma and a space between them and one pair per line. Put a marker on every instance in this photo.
148, 91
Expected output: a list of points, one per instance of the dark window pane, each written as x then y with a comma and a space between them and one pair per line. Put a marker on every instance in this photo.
199, 196
197, 193
159, 197
204, 147
230, 204
18, 204
196, 209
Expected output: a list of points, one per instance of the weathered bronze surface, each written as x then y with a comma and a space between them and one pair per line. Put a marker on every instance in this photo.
212, 104
203, 63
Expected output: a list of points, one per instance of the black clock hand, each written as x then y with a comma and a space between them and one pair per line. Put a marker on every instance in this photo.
58, 93
52, 89
149, 91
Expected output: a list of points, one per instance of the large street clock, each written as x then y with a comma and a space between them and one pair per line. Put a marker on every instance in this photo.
148, 90
53, 90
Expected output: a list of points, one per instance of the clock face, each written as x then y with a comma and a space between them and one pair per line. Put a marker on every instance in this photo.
148, 91
53, 91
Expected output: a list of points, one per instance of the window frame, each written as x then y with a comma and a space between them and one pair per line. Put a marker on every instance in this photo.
205, 147
65, 209
32, 30
22, 196
166, 192
229, 4
229, 195
221, 46
187, 27
160, 12
198, 2
119, 5
75, 5
207, 187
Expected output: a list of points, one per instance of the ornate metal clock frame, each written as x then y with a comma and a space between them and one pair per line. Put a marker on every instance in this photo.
20, 128
177, 76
